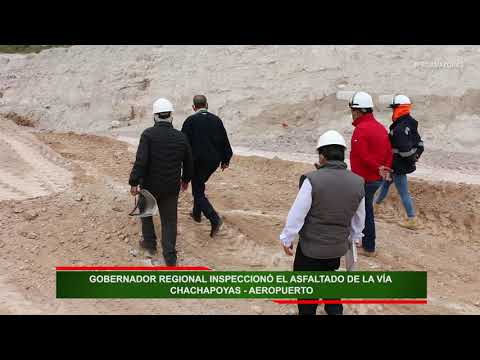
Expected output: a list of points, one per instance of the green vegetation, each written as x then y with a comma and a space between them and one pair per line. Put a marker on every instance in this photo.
26, 49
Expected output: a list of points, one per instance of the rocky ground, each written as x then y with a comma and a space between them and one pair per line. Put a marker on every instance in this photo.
86, 223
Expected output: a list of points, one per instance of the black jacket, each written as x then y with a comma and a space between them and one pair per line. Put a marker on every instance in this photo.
161, 153
208, 139
407, 145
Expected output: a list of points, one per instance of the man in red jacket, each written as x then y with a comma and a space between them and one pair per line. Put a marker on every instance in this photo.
370, 157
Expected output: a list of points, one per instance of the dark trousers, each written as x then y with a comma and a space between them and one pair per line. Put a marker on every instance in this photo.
201, 174
369, 234
305, 263
167, 207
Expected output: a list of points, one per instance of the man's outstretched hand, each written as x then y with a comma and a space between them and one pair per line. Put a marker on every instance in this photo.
134, 190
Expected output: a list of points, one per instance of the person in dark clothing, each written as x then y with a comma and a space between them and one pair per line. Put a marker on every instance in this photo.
211, 149
407, 148
162, 154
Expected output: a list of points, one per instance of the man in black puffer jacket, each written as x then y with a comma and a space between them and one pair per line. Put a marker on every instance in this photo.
211, 149
407, 147
162, 153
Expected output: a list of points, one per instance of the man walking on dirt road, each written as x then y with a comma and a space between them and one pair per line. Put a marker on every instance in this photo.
407, 148
211, 149
162, 153
370, 158
328, 214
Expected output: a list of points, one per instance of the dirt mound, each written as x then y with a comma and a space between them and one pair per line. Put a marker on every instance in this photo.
89, 225
444, 209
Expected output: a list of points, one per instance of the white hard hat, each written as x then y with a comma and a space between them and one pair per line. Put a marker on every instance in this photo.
399, 100
162, 105
146, 205
361, 100
331, 137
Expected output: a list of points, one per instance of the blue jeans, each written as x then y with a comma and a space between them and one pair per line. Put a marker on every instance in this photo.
369, 235
401, 183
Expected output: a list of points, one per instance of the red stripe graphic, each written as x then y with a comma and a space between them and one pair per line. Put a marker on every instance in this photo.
132, 268
350, 301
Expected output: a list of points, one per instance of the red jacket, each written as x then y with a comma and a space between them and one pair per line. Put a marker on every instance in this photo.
370, 148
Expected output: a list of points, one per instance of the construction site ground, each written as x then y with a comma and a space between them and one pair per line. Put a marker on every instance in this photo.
64, 200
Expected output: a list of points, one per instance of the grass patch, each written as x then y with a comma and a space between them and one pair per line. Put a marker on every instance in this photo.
26, 49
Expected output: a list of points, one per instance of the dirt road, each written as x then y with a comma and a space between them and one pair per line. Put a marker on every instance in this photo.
86, 223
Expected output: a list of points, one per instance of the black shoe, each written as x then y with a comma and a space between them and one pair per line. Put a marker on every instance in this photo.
216, 227
197, 219
334, 309
170, 260
171, 263
150, 247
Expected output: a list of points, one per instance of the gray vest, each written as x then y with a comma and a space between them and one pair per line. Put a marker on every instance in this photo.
336, 195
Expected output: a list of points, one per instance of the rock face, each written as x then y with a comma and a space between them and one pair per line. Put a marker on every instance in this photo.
113, 87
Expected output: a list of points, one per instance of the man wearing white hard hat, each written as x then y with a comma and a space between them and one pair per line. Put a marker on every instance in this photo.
370, 158
328, 215
163, 166
407, 148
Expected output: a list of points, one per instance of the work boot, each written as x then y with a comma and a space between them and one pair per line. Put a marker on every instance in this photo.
410, 223
150, 247
195, 218
216, 227
362, 251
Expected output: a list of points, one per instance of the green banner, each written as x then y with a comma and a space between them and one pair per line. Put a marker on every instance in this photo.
242, 284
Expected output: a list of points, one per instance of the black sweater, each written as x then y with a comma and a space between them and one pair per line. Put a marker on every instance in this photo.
407, 145
208, 139
161, 154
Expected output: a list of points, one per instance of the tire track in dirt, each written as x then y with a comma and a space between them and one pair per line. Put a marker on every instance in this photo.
8, 191
234, 247
29, 168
